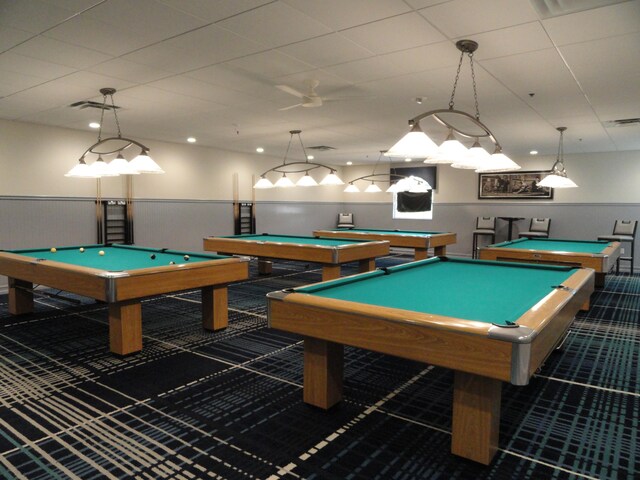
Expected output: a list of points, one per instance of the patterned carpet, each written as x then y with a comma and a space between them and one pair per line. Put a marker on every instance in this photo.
228, 405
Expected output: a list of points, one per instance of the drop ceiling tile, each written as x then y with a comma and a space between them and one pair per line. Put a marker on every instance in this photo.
12, 62
394, 34
461, 18
13, 82
10, 37
284, 25
195, 88
271, 64
32, 16
339, 14
102, 37
130, 71
214, 11
326, 50
594, 24
507, 41
49, 49
148, 19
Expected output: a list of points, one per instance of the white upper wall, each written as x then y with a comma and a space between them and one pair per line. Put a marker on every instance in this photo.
34, 159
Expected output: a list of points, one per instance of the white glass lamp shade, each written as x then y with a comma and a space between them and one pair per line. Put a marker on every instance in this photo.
413, 184
415, 144
120, 166
475, 159
284, 182
331, 179
306, 181
144, 164
373, 188
393, 188
81, 170
450, 151
100, 168
263, 183
557, 181
351, 188
498, 162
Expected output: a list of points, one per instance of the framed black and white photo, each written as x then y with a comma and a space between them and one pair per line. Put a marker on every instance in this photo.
513, 185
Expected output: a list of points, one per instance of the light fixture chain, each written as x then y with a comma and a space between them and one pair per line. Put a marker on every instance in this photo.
455, 82
115, 114
475, 90
304, 151
104, 106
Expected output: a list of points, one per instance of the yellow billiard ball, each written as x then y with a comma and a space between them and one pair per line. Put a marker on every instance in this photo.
53, 250
186, 257
101, 252
81, 249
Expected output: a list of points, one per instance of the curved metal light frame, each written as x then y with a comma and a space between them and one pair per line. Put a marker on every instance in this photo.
144, 150
308, 166
389, 178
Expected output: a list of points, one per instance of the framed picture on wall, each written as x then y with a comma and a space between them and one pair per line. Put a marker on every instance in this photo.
513, 185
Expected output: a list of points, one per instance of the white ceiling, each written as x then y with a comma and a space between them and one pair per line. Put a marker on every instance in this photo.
208, 69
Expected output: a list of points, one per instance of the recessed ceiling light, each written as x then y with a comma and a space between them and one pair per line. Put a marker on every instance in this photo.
349, 163
408, 159
94, 125
533, 152
259, 149
310, 157
191, 140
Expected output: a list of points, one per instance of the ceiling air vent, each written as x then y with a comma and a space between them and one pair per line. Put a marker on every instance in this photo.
321, 148
556, 8
90, 104
625, 122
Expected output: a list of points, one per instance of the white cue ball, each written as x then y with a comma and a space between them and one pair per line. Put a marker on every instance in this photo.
101, 252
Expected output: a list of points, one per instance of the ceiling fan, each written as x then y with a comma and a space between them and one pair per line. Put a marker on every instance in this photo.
309, 99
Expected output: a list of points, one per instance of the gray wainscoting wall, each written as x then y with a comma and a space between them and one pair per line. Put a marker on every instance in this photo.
31, 222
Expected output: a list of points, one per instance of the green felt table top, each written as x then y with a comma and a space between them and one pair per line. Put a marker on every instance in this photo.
116, 257
486, 291
267, 237
389, 232
553, 244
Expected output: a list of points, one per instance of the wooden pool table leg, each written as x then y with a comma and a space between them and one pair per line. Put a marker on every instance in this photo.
323, 367
20, 296
440, 250
330, 272
367, 265
421, 253
125, 327
215, 311
476, 417
600, 278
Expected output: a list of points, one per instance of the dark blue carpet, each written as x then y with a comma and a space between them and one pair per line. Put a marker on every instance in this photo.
196, 404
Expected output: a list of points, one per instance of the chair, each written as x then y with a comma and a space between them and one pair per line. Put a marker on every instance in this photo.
484, 226
539, 228
623, 231
345, 220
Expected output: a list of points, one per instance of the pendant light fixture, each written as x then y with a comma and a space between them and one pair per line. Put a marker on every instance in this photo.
558, 176
452, 151
397, 183
113, 146
297, 167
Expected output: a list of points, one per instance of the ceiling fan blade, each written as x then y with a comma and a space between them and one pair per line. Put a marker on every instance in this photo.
290, 107
291, 91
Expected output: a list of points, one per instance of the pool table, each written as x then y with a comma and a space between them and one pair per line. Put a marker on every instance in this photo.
122, 276
490, 322
596, 254
421, 242
330, 252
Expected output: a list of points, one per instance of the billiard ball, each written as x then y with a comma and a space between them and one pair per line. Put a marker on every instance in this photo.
186, 257
153, 256
81, 249
54, 250
172, 262
101, 252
